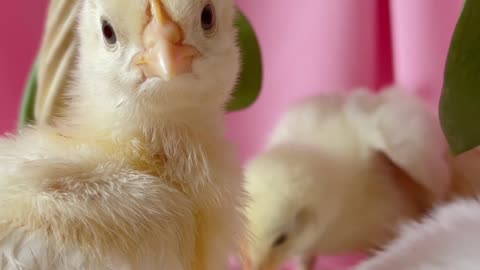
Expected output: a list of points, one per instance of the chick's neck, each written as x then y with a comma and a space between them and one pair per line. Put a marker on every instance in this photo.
90, 118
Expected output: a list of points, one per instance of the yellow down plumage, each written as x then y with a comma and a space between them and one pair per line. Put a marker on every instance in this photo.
137, 173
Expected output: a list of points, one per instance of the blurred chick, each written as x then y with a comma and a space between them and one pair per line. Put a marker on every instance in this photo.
340, 173
137, 174
448, 239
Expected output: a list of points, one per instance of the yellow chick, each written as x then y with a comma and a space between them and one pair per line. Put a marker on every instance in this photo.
340, 172
137, 174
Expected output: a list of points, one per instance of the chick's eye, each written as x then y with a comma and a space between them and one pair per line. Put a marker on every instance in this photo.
280, 240
208, 18
108, 33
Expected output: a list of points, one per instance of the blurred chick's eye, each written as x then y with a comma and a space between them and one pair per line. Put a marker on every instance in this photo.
280, 240
208, 18
108, 33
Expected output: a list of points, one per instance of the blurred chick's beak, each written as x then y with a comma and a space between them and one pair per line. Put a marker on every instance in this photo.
164, 53
247, 260
268, 266
248, 263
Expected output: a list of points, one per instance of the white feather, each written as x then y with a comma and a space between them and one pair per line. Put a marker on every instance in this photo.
448, 240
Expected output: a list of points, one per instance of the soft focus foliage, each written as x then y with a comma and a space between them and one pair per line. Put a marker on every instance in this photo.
460, 102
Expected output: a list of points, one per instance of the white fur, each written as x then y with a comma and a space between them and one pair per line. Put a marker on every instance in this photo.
448, 240
133, 175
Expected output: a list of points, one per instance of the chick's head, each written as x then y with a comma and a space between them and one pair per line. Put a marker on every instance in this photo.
281, 183
306, 202
157, 55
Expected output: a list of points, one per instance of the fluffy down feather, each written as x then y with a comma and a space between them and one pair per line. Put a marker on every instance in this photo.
448, 239
137, 174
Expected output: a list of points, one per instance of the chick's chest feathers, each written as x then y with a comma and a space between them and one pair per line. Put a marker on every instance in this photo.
92, 201
121, 197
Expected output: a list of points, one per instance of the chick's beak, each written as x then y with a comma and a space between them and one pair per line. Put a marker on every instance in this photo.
249, 264
246, 258
164, 54
269, 265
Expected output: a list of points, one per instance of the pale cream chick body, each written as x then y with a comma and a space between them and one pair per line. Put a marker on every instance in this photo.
137, 174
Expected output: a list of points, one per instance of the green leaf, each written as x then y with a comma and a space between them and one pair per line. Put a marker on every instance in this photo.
250, 81
28, 102
460, 101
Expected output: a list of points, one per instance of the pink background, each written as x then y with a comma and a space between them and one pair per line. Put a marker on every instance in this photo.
21, 23
336, 45
309, 46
